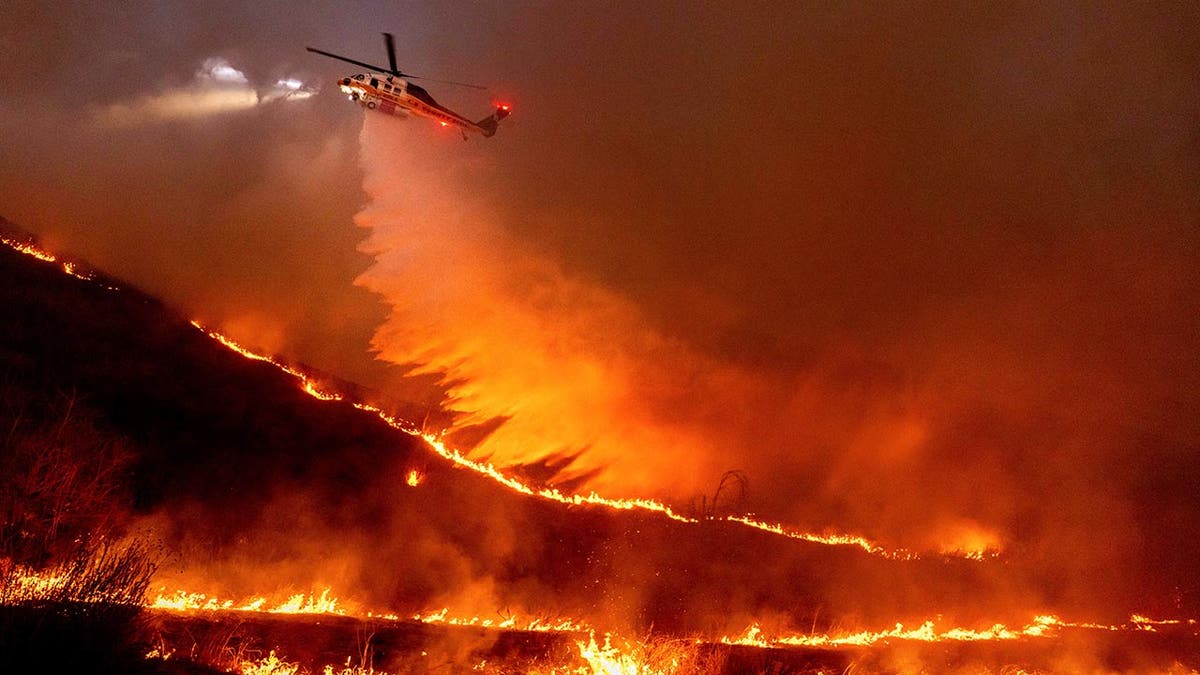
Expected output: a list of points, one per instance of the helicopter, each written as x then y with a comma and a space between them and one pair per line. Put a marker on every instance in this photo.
388, 90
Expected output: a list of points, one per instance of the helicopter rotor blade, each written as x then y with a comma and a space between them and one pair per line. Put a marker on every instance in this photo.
391, 50
457, 84
378, 69
392, 61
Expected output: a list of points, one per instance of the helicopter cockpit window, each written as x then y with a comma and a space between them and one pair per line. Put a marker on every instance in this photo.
421, 94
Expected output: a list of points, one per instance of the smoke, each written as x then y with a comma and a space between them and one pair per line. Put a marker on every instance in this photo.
216, 87
570, 367
179, 149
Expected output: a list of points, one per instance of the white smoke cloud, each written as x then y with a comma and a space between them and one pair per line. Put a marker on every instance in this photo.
216, 87
218, 69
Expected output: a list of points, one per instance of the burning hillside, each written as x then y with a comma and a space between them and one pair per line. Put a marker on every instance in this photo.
260, 478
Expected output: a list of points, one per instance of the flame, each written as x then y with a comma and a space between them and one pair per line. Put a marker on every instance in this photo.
607, 659
326, 603
414, 478
626, 660
296, 603
301, 604
1041, 626
269, 665
512, 622
308, 385
30, 249
21, 583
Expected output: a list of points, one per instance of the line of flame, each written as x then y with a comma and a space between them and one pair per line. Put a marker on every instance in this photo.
1044, 625
46, 256
326, 603
538, 624
29, 584
1041, 626
553, 494
296, 603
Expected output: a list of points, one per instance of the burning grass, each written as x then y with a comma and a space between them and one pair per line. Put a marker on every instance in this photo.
66, 587
300, 643
392, 648
85, 611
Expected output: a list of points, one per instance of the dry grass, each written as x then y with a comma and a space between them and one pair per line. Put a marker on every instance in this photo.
67, 592
83, 614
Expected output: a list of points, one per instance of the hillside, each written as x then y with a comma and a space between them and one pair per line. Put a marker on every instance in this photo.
251, 487
231, 453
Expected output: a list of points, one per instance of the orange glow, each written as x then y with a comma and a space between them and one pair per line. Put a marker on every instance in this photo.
414, 478
969, 540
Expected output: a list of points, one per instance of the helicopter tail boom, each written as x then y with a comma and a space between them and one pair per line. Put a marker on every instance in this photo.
490, 123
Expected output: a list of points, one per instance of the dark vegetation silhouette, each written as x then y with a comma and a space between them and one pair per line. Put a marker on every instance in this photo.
728, 499
61, 503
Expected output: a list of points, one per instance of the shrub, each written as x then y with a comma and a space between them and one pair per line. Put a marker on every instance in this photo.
70, 597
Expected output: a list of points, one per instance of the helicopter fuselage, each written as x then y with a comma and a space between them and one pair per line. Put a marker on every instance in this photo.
397, 96
389, 90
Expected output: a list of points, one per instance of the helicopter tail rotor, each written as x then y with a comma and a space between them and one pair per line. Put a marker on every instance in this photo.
490, 123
